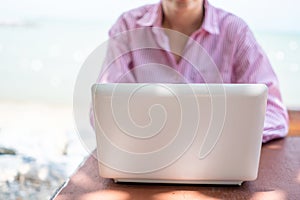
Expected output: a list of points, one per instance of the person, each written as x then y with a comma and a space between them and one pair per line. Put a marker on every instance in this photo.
160, 43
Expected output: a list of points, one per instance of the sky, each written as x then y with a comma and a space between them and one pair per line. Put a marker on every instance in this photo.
259, 14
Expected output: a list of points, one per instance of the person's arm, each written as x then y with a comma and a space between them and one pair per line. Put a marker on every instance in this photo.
117, 64
253, 66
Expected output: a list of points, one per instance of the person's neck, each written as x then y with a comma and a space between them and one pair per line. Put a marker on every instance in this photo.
185, 22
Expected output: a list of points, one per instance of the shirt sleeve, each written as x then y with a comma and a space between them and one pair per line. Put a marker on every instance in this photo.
117, 65
253, 66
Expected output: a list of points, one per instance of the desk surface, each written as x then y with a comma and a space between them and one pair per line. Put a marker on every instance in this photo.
278, 178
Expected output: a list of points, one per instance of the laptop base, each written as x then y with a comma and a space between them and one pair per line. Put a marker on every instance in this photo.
205, 182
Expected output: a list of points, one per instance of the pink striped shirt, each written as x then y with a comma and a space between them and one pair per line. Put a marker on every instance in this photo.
223, 50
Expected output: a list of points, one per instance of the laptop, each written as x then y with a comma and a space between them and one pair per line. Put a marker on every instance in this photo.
179, 133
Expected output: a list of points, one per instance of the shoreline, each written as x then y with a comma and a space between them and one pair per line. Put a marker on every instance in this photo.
46, 145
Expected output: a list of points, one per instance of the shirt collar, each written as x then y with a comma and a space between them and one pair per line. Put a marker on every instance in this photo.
210, 22
153, 17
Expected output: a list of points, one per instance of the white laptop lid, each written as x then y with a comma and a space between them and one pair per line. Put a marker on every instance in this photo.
182, 133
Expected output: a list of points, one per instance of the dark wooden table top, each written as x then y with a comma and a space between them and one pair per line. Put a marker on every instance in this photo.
294, 116
278, 179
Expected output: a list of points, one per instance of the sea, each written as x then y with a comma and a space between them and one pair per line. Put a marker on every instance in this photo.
40, 59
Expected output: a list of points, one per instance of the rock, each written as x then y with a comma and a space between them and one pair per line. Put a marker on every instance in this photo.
36, 168
9, 167
7, 151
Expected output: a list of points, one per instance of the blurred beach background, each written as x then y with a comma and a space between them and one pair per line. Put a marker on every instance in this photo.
43, 45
